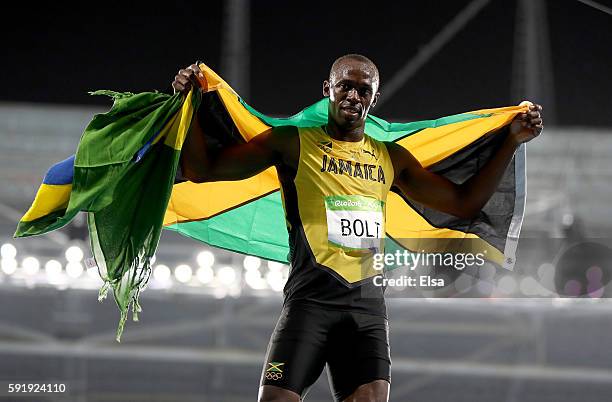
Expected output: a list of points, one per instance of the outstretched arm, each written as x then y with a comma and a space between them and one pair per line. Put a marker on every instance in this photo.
235, 162
232, 163
467, 199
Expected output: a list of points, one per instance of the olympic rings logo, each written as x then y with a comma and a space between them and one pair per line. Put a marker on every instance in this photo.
273, 376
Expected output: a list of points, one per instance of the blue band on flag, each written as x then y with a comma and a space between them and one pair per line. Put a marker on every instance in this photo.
145, 148
60, 173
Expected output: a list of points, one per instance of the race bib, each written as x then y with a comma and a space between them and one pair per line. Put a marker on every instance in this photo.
355, 222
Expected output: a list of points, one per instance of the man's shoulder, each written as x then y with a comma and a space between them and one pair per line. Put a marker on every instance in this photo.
285, 141
282, 134
285, 130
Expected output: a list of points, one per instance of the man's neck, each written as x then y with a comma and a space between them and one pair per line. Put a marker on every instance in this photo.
353, 134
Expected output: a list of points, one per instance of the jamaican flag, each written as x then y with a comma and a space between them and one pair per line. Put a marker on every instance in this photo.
123, 176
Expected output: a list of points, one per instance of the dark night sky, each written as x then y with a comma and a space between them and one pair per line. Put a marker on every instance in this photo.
53, 56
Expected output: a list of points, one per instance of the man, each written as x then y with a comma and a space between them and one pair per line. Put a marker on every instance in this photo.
327, 320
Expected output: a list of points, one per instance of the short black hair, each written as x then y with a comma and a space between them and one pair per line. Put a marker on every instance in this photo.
357, 57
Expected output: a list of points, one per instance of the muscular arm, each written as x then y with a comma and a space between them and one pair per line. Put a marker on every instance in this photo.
232, 163
467, 199
278, 145
235, 162
437, 192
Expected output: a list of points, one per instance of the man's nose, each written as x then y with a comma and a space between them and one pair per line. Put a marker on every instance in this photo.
353, 95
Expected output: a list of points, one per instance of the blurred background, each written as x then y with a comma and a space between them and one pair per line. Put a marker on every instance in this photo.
208, 314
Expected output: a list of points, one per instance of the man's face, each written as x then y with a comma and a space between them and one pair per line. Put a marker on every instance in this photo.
352, 91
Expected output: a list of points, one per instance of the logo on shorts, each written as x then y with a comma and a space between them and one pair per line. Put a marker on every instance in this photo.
275, 371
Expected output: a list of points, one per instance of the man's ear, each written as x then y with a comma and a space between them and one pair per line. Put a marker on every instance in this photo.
375, 99
326, 88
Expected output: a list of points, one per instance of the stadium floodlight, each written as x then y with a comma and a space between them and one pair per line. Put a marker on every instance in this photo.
8, 251
275, 279
74, 269
234, 291
567, 219
205, 274
545, 270
226, 275
30, 265
93, 273
8, 265
161, 273
507, 284
486, 272
529, 286
220, 292
275, 266
251, 263
206, 259
254, 279
53, 269
74, 254
484, 287
183, 273
464, 283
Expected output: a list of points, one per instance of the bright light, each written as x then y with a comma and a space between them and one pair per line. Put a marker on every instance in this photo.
30, 265
205, 274
275, 266
235, 291
92, 272
220, 292
546, 269
8, 251
206, 259
484, 287
226, 275
567, 219
161, 273
254, 280
464, 283
546, 273
74, 269
74, 254
8, 265
529, 286
486, 272
53, 269
275, 279
251, 262
183, 273
507, 284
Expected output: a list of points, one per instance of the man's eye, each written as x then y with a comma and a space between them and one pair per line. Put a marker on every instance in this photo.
344, 87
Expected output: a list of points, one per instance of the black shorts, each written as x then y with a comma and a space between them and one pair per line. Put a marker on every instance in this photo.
355, 347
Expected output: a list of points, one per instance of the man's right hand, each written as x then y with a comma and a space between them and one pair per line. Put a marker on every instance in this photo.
187, 78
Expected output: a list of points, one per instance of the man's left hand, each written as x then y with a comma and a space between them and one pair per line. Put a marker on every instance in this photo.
527, 126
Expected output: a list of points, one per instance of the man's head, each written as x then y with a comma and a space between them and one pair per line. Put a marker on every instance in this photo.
352, 88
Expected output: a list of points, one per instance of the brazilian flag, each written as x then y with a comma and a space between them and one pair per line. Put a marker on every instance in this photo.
123, 176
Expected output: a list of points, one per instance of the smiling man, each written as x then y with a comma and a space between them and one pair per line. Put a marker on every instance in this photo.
334, 185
